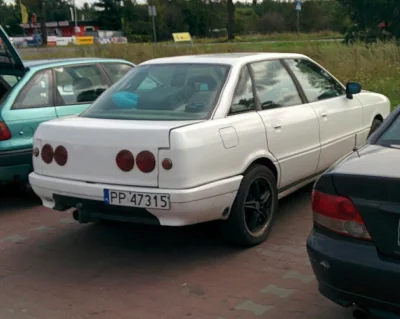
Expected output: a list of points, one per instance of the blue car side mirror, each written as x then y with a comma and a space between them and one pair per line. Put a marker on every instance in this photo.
352, 88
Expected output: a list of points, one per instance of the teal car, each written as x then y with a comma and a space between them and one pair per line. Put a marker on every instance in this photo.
32, 92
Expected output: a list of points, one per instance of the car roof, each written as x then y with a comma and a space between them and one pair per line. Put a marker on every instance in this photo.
68, 61
225, 58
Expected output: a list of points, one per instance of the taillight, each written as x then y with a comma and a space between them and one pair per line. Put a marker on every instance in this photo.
5, 133
47, 154
61, 155
125, 160
338, 213
146, 161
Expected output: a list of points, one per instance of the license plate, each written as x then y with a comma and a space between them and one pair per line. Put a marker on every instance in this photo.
134, 199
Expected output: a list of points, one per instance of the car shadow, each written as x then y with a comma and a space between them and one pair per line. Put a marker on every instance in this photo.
13, 199
144, 248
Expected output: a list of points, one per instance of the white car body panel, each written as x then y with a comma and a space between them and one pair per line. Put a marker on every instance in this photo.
209, 156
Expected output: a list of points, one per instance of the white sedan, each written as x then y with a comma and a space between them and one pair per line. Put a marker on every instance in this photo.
185, 140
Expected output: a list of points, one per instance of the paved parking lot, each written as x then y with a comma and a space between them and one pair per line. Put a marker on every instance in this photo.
52, 267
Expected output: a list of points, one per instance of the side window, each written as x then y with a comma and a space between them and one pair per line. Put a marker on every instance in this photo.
317, 84
147, 84
37, 93
274, 85
78, 84
116, 70
243, 99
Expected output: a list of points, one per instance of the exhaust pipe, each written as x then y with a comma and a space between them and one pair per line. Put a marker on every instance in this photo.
361, 313
81, 215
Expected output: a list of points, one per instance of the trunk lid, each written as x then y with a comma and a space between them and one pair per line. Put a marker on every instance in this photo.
10, 61
372, 181
93, 145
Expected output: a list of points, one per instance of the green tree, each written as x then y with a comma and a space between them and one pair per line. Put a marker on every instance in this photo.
366, 16
109, 14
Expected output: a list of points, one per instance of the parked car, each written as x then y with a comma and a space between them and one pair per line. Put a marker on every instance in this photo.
354, 246
217, 137
35, 91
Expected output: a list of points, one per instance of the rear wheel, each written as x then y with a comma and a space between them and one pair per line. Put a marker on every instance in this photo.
253, 211
375, 124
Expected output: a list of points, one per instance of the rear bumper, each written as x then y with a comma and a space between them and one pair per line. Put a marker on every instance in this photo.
15, 165
188, 206
352, 272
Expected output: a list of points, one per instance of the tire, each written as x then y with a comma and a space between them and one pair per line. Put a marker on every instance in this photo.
236, 229
375, 124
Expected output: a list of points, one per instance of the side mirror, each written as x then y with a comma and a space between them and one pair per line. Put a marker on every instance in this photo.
352, 88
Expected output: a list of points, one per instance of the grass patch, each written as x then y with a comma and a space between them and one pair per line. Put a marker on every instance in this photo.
377, 68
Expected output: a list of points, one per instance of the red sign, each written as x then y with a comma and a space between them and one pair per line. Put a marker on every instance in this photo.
34, 18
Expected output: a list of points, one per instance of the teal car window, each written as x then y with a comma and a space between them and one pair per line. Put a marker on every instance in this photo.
116, 71
10, 79
78, 84
37, 93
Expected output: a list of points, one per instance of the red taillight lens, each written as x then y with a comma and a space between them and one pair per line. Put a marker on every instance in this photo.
338, 214
146, 161
61, 155
47, 153
125, 160
5, 133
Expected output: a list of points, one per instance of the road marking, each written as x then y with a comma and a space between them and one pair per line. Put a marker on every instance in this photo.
14, 239
256, 309
41, 228
67, 221
280, 292
296, 275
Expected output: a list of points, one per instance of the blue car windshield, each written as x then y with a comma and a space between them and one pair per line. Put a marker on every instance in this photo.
163, 92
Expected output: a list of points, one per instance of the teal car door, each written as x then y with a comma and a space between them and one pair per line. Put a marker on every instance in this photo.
76, 87
33, 105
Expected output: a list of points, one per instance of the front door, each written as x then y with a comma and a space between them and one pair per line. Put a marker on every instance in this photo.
77, 87
291, 126
340, 118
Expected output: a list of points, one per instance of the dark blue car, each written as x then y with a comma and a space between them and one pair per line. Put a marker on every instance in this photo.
354, 247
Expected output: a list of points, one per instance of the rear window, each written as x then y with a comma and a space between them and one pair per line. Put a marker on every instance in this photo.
10, 79
163, 92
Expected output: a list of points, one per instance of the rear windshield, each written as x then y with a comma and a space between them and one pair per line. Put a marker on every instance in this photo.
163, 92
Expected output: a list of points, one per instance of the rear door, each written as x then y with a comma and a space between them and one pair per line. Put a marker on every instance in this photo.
77, 87
116, 70
10, 61
291, 126
33, 105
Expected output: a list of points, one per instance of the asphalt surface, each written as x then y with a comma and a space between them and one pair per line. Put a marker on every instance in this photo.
52, 267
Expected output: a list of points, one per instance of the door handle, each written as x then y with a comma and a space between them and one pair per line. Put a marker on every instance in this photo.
277, 126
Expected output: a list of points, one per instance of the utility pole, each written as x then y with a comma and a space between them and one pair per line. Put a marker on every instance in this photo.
153, 14
298, 9
43, 28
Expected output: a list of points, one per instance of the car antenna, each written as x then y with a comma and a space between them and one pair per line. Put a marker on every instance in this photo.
355, 149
